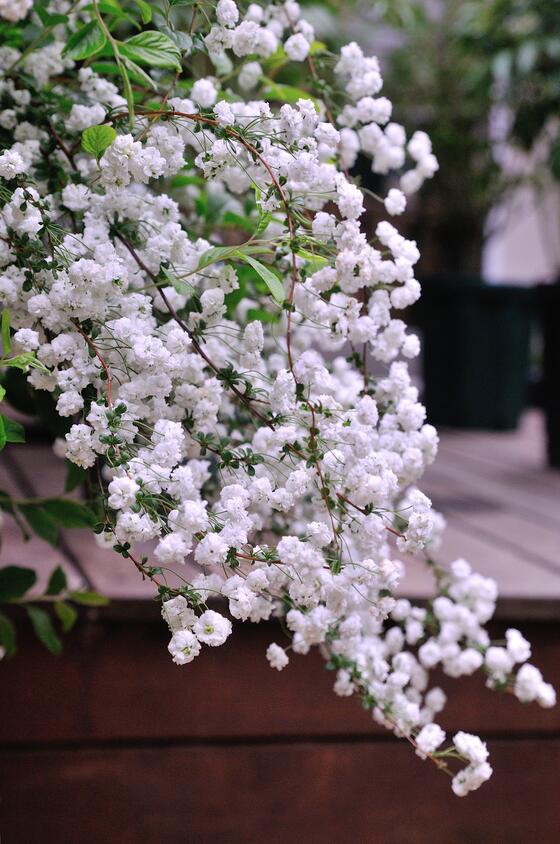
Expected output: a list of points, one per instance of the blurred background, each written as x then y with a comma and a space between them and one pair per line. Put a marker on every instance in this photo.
110, 742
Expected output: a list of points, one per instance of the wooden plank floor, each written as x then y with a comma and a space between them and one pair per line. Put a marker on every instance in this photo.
501, 503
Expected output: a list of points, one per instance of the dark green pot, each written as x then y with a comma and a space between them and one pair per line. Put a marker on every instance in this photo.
475, 351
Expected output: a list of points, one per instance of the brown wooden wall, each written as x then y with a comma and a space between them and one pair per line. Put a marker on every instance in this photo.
113, 743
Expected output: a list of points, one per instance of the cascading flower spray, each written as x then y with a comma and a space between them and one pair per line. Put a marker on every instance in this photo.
184, 269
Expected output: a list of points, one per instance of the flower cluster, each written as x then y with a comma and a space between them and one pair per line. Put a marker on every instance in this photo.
209, 312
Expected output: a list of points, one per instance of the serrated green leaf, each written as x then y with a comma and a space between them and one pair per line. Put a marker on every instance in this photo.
153, 49
44, 629
96, 139
5, 332
261, 316
230, 218
181, 181
129, 96
104, 68
317, 47
314, 262
107, 7
68, 513
46, 18
180, 285
13, 431
85, 42
183, 40
75, 476
15, 581
40, 522
137, 74
270, 279
89, 599
145, 10
67, 614
7, 635
222, 253
286, 93
57, 582
23, 361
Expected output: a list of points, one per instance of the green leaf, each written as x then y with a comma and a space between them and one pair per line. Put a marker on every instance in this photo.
67, 615
181, 181
40, 522
107, 7
15, 581
222, 253
137, 74
2, 392
183, 40
314, 262
262, 316
5, 332
75, 476
7, 635
44, 629
230, 218
317, 47
57, 582
270, 279
89, 599
145, 10
181, 286
286, 93
46, 18
23, 361
68, 513
3, 437
13, 431
85, 42
127, 88
96, 139
153, 49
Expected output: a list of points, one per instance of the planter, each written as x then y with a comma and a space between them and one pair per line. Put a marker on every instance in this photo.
475, 351
549, 308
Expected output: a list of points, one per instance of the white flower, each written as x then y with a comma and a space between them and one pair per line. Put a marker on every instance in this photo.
178, 614
11, 164
204, 93
183, 647
227, 13
277, 656
14, 10
517, 646
429, 739
471, 747
297, 47
82, 117
212, 628
224, 113
249, 75
395, 202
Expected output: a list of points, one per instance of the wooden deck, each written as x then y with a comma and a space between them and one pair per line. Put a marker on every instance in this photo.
501, 503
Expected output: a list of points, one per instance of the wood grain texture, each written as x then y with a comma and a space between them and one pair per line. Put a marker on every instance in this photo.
115, 681
313, 793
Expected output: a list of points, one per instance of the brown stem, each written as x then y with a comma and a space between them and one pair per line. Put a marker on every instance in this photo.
100, 358
246, 400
